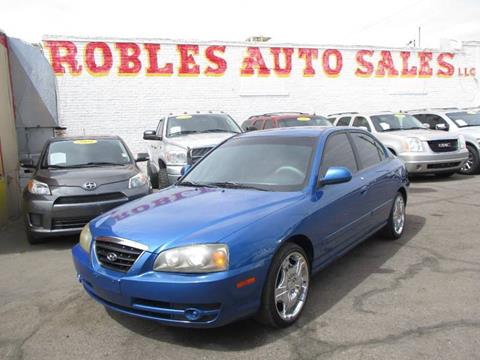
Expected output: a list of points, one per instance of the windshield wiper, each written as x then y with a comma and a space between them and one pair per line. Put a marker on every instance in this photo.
392, 129
219, 130
185, 132
95, 163
56, 167
234, 185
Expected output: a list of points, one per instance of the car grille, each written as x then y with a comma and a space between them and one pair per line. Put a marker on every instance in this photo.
117, 254
443, 165
91, 198
197, 153
70, 223
443, 145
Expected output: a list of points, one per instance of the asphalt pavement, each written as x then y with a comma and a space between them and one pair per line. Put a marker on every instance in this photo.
415, 298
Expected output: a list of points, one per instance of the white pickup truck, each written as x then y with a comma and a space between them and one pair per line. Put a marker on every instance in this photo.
184, 139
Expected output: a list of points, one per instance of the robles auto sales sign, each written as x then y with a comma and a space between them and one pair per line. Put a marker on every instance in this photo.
99, 58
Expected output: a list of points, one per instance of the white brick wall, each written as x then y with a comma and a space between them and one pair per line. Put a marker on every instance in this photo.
128, 105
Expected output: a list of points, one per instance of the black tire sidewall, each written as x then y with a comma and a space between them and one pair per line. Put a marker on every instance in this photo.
476, 161
163, 181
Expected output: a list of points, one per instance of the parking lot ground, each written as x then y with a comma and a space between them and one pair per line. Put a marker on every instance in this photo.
416, 298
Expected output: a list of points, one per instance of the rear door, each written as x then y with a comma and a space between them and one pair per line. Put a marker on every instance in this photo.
378, 189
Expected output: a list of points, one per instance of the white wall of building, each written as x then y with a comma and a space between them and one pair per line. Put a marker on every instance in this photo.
127, 104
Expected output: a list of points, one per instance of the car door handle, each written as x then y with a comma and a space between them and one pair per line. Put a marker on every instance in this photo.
363, 189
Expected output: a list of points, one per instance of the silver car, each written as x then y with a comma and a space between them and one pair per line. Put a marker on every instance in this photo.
77, 179
184, 139
423, 151
465, 122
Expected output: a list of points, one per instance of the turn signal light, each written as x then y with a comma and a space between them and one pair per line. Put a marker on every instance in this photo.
246, 282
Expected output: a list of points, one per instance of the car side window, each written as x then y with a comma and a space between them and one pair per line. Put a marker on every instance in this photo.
369, 150
246, 124
258, 124
360, 121
344, 121
338, 152
268, 124
434, 120
160, 127
331, 119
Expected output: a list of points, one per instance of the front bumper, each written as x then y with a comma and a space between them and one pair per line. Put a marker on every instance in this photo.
170, 298
431, 163
53, 215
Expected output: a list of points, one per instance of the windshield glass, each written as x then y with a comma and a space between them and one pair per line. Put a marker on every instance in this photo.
200, 123
304, 120
465, 118
261, 162
85, 152
394, 122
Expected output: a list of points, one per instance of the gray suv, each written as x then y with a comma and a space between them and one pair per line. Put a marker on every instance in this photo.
465, 122
184, 139
77, 179
422, 150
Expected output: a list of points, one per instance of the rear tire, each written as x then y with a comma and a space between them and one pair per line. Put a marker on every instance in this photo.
163, 178
286, 287
396, 221
472, 166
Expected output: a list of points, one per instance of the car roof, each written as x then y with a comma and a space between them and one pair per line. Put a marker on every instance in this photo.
295, 131
364, 113
93, 137
441, 110
280, 115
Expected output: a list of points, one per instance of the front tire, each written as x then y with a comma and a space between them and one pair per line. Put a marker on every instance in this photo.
163, 178
472, 166
396, 222
286, 287
152, 175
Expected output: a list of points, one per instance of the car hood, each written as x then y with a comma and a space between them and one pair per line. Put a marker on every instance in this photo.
183, 215
470, 131
424, 135
200, 140
79, 176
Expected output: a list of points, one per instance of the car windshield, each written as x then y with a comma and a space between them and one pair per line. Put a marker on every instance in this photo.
304, 120
465, 118
200, 123
395, 122
85, 153
260, 162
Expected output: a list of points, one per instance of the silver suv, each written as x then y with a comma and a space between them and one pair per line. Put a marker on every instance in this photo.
465, 122
423, 151
184, 139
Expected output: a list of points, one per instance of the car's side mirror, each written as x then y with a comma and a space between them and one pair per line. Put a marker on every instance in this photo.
151, 135
441, 127
250, 128
184, 170
335, 175
426, 126
27, 164
142, 157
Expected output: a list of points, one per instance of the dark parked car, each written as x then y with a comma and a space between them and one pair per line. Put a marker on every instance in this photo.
242, 232
283, 119
77, 179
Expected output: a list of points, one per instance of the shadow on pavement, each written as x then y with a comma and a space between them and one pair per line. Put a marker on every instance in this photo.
328, 288
13, 240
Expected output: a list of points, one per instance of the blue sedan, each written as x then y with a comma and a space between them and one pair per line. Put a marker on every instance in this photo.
242, 232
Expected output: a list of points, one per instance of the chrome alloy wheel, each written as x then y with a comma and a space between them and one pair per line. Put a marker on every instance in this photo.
399, 214
291, 286
469, 163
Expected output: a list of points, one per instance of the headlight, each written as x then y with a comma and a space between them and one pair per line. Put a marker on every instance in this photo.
413, 145
176, 155
193, 259
461, 142
137, 181
86, 238
38, 188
